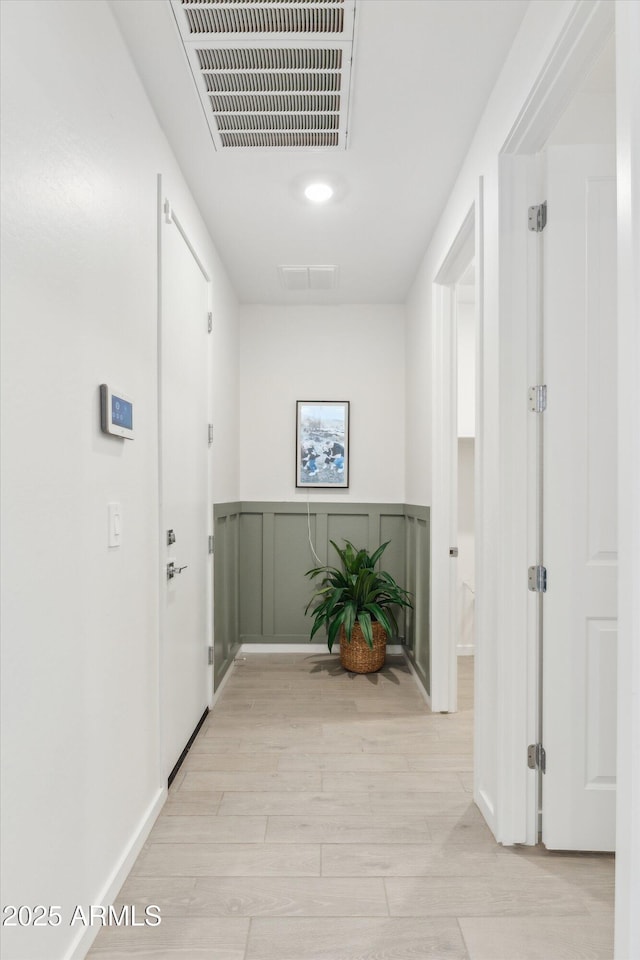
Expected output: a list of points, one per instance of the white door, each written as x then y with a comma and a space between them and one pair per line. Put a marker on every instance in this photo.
579, 526
183, 431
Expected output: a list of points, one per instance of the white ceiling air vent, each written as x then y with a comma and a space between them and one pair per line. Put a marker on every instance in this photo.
316, 277
271, 73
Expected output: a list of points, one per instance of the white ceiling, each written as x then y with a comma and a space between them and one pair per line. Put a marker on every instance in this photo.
422, 73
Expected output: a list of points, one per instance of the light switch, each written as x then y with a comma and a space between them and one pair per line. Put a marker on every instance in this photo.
115, 524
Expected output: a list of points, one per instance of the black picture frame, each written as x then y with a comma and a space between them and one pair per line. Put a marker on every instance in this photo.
322, 444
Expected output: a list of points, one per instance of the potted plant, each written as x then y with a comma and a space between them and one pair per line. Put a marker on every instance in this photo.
355, 603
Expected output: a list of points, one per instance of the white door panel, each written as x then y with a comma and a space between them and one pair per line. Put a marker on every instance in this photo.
183, 419
579, 526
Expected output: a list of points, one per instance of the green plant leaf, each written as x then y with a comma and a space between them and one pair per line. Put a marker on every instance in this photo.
381, 616
349, 619
378, 553
334, 629
364, 619
317, 626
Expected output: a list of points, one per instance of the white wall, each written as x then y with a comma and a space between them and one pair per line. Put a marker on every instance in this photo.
225, 469
466, 546
353, 353
419, 401
466, 408
466, 329
591, 115
590, 118
80, 751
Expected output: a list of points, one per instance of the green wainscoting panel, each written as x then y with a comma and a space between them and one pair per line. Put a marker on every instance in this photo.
250, 573
291, 557
263, 550
226, 587
417, 621
392, 528
347, 526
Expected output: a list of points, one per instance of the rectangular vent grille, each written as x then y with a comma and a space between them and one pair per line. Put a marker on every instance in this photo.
288, 121
286, 84
297, 139
271, 82
269, 58
269, 18
227, 3
287, 104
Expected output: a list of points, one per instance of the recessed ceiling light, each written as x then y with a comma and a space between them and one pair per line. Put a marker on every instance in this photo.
318, 192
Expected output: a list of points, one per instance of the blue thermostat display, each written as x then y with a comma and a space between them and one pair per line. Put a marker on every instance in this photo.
121, 412
116, 412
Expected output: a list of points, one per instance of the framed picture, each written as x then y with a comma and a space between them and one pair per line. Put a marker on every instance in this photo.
322, 443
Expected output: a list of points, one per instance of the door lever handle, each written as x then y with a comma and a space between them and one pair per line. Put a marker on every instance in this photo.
173, 571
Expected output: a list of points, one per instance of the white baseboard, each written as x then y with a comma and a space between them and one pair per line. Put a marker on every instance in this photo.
416, 677
216, 695
284, 648
486, 809
80, 946
466, 649
311, 648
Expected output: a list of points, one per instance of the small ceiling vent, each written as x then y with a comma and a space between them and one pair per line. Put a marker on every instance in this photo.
271, 73
316, 277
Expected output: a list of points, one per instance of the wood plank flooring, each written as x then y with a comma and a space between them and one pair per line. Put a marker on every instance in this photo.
325, 816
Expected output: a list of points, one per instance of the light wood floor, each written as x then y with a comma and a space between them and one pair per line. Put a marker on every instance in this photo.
325, 816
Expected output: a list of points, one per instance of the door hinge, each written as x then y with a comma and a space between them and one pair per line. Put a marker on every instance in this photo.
209, 322
538, 217
538, 579
536, 757
210, 543
209, 433
210, 656
538, 398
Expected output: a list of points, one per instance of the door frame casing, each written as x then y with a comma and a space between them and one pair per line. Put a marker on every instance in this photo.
627, 916
517, 652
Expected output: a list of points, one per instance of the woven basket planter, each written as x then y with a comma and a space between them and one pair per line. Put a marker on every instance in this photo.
358, 656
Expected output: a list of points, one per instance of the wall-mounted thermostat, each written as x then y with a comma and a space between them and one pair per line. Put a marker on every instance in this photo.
116, 412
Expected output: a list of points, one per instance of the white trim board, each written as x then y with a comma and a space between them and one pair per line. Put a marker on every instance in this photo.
627, 919
426, 697
215, 696
314, 648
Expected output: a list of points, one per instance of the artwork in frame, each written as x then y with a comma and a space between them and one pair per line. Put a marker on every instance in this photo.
322, 443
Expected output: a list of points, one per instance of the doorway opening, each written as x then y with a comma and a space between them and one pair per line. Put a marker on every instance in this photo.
453, 583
